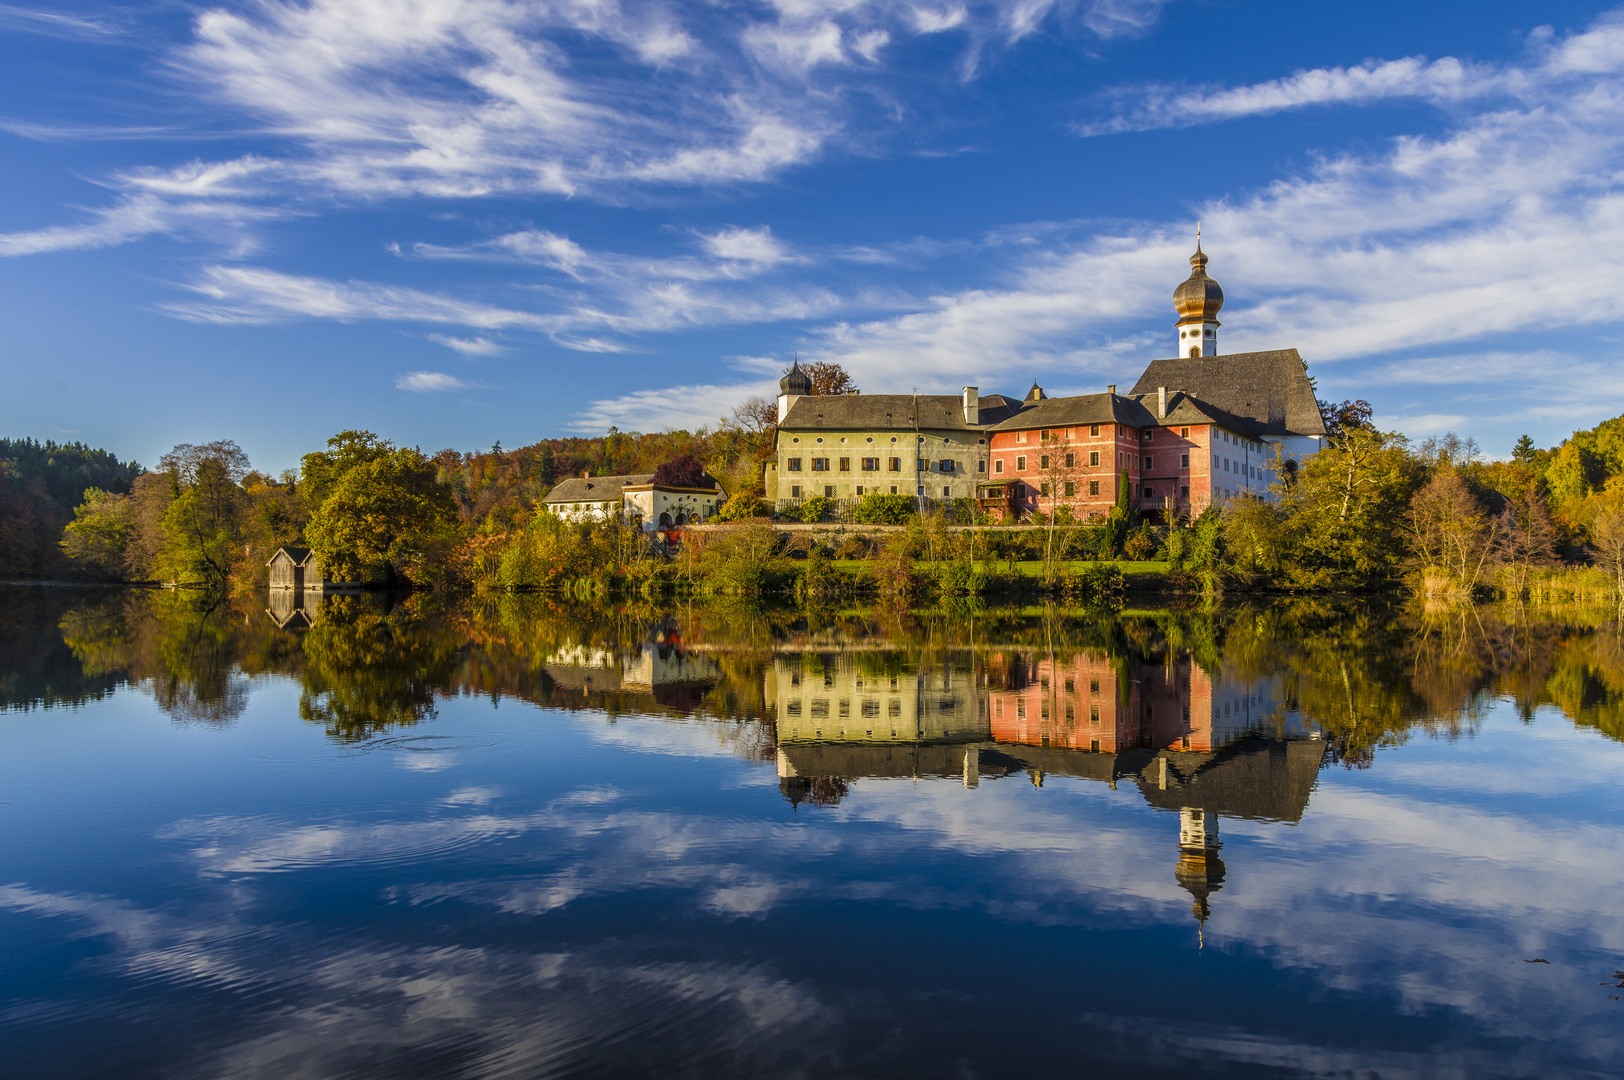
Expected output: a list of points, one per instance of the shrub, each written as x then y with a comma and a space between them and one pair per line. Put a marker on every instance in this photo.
746, 504
1100, 581
1141, 544
885, 509
813, 509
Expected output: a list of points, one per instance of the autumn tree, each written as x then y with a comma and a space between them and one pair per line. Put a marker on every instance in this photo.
384, 517
1450, 533
829, 377
1057, 485
203, 519
682, 471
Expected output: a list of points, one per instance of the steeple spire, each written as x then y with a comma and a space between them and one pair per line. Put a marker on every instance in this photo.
1197, 301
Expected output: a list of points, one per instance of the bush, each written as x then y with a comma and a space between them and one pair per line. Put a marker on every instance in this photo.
813, 509
746, 504
885, 510
1141, 544
1100, 581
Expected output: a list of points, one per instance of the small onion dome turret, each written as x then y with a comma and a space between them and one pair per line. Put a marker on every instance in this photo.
795, 381
1199, 298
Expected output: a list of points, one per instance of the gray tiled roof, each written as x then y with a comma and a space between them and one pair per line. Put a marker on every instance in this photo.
596, 489
1268, 390
881, 412
1135, 410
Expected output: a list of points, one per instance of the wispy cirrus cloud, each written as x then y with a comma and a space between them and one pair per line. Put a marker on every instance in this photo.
430, 382
1552, 64
477, 346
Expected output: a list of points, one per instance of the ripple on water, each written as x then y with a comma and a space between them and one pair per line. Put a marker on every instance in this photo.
262, 846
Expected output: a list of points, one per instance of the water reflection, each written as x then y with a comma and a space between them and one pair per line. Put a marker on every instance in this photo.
733, 841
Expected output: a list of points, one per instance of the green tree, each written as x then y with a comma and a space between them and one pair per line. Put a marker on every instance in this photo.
99, 534
385, 518
202, 522
1523, 452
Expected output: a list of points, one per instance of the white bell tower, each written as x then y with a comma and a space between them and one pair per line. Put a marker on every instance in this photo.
1197, 301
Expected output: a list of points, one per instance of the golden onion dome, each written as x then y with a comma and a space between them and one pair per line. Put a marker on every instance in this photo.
1200, 297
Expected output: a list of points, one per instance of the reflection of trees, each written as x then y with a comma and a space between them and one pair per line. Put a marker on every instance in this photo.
368, 669
1369, 674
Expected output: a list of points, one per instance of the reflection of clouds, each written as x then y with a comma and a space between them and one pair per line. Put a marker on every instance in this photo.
426, 762
378, 1008
1154, 1044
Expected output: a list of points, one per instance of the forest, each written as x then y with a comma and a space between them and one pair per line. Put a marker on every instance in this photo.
1372, 510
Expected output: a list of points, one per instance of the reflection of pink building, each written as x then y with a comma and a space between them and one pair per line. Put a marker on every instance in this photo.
1093, 702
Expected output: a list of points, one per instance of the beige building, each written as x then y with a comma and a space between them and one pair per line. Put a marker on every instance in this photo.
847, 446
634, 498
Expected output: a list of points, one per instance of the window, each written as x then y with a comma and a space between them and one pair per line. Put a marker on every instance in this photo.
1094, 431
1094, 687
893, 465
795, 491
1071, 489
1043, 489
1144, 436
794, 464
1184, 461
871, 464
921, 490
820, 464
947, 493
1043, 434
1149, 493
1093, 487
1043, 462
845, 464
1184, 433
998, 466
1147, 461
1094, 458
893, 489
1020, 463
828, 491
1071, 461
981, 466
946, 464
859, 489
1184, 493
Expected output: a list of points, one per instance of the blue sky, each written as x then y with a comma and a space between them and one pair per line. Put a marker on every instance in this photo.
461, 221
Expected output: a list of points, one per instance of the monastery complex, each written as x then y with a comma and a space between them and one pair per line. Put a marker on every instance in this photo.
1196, 429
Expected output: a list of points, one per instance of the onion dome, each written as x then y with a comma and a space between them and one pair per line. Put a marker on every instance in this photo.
1199, 298
795, 381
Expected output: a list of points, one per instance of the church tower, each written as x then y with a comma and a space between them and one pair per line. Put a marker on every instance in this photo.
795, 385
1197, 302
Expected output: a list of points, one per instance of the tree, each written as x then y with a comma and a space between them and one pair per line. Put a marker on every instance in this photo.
828, 377
1524, 451
1057, 475
1343, 417
321, 471
1345, 510
1528, 539
1607, 533
682, 472
383, 520
1449, 531
201, 524
99, 534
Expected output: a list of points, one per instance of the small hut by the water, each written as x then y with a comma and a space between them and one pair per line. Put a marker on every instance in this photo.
290, 567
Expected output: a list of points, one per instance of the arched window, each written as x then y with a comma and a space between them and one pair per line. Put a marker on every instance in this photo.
665, 521
1195, 350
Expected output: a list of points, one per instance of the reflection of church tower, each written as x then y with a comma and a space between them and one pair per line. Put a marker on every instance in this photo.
1200, 871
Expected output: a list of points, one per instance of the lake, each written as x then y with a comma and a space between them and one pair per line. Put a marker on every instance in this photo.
294, 836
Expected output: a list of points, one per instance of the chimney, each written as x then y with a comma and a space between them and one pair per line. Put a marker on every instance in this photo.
972, 405
1111, 389
586, 474
1161, 403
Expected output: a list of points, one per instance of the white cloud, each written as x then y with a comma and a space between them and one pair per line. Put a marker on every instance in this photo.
468, 346
428, 382
746, 245
668, 408
1552, 66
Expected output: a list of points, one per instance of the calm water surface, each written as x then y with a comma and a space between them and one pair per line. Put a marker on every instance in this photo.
370, 839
